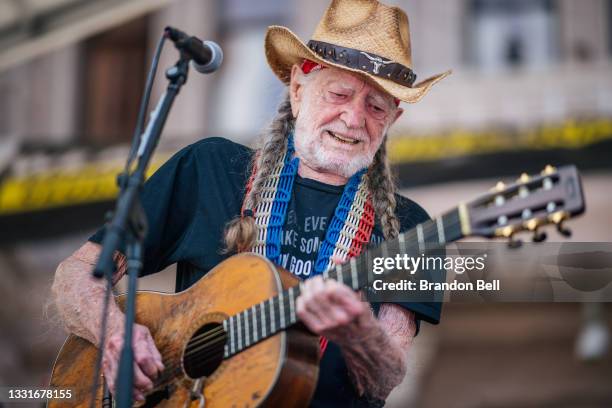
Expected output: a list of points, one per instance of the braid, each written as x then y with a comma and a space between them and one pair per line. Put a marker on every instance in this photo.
275, 141
382, 188
241, 232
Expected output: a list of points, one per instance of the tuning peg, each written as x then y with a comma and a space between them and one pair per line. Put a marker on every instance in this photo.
548, 170
534, 225
514, 242
566, 232
539, 236
500, 186
524, 178
508, 232
558, 218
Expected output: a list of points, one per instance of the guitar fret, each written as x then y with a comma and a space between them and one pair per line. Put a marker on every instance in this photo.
262, 309
354, 276
419, 230
232, 335
247, 332
272, 316
238, 327
281, 308
401, 238
226, 347
340, 278
452, 226
254, 311
441, 238
291, 306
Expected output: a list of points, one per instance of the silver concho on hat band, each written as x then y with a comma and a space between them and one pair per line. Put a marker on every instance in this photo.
377, 61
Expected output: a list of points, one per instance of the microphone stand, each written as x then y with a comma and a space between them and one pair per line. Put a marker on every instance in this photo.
129, 224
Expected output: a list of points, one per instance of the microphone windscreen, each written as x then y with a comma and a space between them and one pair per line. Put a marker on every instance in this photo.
215, 60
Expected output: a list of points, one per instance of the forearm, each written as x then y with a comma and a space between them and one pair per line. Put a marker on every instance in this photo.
376, 360
79, 297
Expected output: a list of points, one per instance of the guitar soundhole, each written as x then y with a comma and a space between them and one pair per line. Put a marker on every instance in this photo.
204, 351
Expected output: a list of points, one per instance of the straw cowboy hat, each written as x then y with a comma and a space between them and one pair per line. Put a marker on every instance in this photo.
362, 36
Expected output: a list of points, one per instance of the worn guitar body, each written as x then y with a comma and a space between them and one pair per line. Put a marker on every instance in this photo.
281, 370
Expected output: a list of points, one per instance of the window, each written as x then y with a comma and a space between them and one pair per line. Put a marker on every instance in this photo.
114, 74
247, 92
506, 34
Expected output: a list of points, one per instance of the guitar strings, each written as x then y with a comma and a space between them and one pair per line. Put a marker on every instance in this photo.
175, 368
217, 331
197, 340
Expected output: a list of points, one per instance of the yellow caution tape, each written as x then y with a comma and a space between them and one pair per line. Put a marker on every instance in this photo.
569, 135
95, 182
91, 183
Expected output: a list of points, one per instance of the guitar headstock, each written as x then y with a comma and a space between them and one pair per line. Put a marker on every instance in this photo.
551, 197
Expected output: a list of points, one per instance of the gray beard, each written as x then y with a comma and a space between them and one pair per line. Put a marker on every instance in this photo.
321, 161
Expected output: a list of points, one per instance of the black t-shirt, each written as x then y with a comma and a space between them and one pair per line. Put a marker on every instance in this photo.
188, 202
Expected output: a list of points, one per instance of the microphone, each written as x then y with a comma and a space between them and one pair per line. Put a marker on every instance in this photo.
206, 55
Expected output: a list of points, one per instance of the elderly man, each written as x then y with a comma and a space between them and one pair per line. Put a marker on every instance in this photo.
325, 150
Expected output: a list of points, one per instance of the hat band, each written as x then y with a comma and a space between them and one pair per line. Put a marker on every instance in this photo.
370, 63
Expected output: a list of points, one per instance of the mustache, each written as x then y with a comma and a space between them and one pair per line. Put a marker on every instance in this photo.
339, 127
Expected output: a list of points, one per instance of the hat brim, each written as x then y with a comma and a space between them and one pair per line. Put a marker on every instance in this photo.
284, 49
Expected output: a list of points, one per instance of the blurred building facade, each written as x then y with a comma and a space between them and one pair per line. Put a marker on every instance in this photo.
518, 65
515, 62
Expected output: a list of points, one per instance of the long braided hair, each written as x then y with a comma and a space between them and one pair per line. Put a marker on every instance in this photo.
241, 232
382, 187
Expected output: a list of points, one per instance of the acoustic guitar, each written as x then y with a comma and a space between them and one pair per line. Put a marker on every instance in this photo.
231, 340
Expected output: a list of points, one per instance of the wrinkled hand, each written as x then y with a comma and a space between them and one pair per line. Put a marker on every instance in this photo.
331, 309
147, 360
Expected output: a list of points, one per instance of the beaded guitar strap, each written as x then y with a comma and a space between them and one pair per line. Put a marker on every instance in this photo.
349, 230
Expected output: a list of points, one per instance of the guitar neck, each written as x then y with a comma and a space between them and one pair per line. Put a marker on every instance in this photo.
279, 312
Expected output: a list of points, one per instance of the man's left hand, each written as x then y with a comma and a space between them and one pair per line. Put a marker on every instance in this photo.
331, 309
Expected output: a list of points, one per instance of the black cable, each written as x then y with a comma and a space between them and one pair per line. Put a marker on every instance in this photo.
144, 104
98, 369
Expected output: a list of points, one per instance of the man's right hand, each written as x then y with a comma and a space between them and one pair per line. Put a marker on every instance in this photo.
147, 360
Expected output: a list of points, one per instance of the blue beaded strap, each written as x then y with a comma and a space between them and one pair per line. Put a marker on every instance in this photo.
337, 223
282, 197
270, 214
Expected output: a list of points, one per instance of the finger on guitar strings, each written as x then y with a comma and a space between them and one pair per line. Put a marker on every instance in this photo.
138, 395
157, 357
110, 375
146, 359
333, 309
325, 313
342, 304
307, 308
141, 381
349, 301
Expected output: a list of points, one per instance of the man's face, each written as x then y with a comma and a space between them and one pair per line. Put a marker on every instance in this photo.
341, 120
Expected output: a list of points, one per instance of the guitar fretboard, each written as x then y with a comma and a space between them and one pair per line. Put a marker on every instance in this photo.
278, 313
